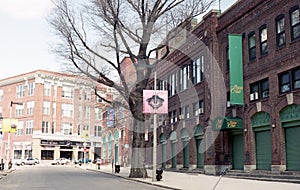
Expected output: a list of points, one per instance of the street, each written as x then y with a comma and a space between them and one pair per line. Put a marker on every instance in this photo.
65, 178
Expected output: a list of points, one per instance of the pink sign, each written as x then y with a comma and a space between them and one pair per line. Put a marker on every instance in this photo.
155, 101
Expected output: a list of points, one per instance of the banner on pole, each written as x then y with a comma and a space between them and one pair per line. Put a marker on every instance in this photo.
10, 125
236, 69
155, 101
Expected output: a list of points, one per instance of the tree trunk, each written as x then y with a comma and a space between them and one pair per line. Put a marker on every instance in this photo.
138, 169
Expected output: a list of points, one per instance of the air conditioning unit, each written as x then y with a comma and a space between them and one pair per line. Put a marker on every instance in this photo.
160, 123
188, 115
175, 119
197, 112
228, 104
201, 110
254, 96
181, 116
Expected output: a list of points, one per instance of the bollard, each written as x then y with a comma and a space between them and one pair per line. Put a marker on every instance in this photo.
117, 168
159, 174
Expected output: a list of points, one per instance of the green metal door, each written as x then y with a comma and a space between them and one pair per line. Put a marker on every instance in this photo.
292, 139
116, 154
200, 153
174, 155
238, 152
263, 150
186, 154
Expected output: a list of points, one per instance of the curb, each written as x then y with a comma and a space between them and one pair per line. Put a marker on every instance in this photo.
132, 179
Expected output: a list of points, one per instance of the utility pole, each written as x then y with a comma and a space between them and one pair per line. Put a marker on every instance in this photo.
154, 132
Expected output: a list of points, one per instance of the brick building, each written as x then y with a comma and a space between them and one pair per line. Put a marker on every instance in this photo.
57, 114
205, 130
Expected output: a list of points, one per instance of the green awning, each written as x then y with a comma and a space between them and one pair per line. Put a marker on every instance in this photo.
227, 123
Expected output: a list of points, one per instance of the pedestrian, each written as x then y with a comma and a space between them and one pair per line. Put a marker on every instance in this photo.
112, 165
98, 162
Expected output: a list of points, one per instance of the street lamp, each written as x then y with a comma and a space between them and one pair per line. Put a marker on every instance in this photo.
8, 138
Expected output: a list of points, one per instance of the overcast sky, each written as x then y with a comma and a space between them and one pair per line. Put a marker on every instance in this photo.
25, 36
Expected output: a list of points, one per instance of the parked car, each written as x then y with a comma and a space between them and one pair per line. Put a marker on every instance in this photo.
60, 161
37, 161
80, 161
27, 161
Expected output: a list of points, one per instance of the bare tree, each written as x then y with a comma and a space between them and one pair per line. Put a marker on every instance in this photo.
99, 33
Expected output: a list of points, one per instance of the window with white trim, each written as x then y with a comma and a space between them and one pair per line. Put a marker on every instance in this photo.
67, 110
31, 87
29, 127
30, 108
20, 91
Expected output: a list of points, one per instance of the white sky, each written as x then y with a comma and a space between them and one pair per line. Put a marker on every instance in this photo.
25, 36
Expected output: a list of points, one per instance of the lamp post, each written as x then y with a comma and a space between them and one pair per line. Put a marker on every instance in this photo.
154, 133
8, 138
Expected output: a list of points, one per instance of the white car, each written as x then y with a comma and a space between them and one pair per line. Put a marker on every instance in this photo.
60, 161
27, 161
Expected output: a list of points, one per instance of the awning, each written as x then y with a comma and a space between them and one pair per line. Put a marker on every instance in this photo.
227, 123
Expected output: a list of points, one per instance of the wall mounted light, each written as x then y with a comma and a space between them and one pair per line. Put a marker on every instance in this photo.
273, 125
245, 130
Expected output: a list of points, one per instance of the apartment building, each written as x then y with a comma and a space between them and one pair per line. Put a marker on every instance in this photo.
58, 116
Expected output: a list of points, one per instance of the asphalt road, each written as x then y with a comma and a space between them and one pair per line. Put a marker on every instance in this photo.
65, 178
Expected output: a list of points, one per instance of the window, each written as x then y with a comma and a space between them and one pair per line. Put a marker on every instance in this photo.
185, 112
198, 108
97, 131
20, 91
31, 87
67, 110
263, 37
184, 77
30, 108
280, 31
29, 127
67, 92
45, 127
53, 127
289, 80
86, 112
259, 90
20, 128
1, 112
295, 22
252, 46
1, 95
162, 85
46, 107
47, 88
172, 117
198, 70
172, 84
98, 113
66, 128
87, 96
19, 110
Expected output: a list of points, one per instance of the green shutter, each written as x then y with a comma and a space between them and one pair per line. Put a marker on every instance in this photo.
263, 150
292, 137
238, 152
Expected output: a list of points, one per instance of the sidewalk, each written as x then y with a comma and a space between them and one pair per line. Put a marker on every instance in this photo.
189, 181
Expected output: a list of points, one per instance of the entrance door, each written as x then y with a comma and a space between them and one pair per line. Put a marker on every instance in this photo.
292, 143
174, 154
186, 154
200, 153
116, 154
263, 150
238, 152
